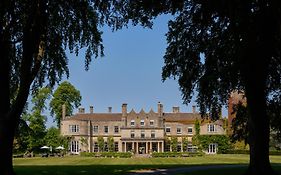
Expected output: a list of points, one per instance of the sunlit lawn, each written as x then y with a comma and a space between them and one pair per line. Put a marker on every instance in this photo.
102, 166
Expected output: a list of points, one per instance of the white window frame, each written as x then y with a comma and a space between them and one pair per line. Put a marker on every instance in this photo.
153, 135
133, 123
142, 122
132, 134
151, 122
190, 133
95, 129
73, 128
168, 128
74, 146
212, 148
104, 130
116, 127
211, 128
180, 130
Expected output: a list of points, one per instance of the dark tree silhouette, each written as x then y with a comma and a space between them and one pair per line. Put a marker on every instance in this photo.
34, 35
218, 46
239, 44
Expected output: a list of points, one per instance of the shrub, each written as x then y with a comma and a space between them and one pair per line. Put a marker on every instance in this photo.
176, 154
245, 151
107, 154
87, 154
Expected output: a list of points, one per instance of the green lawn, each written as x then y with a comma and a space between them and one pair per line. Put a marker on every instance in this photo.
102, 166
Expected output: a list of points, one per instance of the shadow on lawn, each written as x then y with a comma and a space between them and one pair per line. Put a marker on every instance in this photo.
83, 169
114, 169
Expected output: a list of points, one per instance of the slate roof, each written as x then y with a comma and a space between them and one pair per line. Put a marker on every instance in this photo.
97, 117
169, 117
181, 117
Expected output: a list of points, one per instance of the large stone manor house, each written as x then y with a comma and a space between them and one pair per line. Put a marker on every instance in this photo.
139, 132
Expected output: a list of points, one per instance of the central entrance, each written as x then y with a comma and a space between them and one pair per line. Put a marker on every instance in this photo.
142, 148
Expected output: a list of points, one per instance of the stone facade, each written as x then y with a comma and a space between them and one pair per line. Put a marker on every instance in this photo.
140, 133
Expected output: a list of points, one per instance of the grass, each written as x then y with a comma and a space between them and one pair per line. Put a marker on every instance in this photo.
75, 165
228, 171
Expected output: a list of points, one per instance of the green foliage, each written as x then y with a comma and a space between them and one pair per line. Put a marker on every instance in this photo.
36, 120
84, 141
185, 142
245, 151
101, 143
167, 144
240, 124
197, 127
110, 143
66, 94
196, 141
107, 154
174, 143
54, 139
21, 138
223, 142
176, 154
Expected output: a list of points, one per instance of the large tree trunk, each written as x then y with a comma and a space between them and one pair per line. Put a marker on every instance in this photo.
30, 64
259, 132
255, 74
7, 131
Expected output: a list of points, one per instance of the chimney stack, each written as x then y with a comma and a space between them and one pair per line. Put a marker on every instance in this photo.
91, 109
81, 110
124, 109
176, 109
124, 114
63, 111
193, 109
109, 109
160, 108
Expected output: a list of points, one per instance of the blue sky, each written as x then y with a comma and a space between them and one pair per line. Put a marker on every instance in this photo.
130, 72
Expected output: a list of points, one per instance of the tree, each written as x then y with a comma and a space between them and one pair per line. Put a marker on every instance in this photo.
66, 94
240, 125
174, 144
34, 35
36, 120
217, 47
197, 127
54, 139
185, 143
101, 143
110, 144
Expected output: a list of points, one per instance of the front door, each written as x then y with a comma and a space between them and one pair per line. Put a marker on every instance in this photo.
142, 148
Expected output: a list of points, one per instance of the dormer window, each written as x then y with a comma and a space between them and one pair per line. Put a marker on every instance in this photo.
132, 122
142, 122
211, 128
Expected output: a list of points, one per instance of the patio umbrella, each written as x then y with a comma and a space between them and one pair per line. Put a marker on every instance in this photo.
44, 147
60, 147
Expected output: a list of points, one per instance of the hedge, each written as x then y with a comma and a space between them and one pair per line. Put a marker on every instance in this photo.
176, 154
244, 151
107, 154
